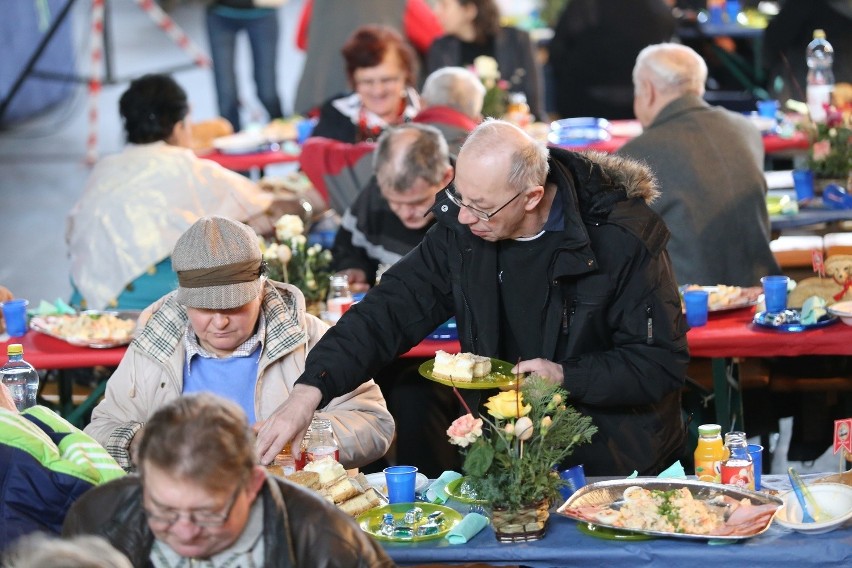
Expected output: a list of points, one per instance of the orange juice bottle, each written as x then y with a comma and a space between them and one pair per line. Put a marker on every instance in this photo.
710, 453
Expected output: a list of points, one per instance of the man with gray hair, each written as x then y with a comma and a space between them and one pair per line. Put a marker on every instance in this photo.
451, 102
709, 167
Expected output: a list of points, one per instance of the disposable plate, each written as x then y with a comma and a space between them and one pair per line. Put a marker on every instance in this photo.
500, 376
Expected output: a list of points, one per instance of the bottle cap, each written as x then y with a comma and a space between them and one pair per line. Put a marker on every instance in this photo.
819, 34
15, 349
709, 430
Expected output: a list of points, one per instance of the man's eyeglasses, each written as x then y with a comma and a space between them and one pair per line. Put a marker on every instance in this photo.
202, 519
478, 213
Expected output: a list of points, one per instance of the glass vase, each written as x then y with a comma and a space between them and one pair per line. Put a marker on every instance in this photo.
526, 524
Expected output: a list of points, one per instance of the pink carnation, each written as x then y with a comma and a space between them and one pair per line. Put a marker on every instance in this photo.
821, 149
465, 430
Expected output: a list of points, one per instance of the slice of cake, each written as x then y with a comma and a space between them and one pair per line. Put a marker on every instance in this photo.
462, 367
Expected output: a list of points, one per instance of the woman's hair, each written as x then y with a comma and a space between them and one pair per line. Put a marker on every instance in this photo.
368, 45
151, 107
41, 550
200, 437
487, 20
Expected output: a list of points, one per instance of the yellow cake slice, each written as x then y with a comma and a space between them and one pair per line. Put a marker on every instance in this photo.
462, 367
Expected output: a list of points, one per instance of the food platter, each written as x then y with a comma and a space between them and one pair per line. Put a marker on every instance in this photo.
377, 481
460, 490
500, 376
371, 521
611, 495
91, 328
791, 322
725, 298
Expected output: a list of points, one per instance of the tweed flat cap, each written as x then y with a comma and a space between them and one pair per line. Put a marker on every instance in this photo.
218, 263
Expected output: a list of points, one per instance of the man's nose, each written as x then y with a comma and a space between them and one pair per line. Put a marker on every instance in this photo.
466, 217
220, 320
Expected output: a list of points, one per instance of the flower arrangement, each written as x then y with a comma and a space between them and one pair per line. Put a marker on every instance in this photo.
290, 259
830, 153
496, 89
510, 460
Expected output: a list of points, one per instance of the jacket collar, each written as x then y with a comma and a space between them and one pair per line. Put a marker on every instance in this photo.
679, 106
283, 307
445, 115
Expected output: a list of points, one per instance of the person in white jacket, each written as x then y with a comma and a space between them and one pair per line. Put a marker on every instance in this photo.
230, 331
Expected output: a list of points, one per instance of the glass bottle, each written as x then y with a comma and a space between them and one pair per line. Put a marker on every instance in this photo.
322, 443
20, 377
339, 297
286, 460
820, 57
737, 469
518, 111
709, 453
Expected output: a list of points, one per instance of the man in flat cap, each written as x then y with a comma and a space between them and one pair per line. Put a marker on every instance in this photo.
230, 331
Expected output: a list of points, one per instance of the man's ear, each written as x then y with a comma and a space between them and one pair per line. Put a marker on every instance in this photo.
449, 174
258, 478
533, 197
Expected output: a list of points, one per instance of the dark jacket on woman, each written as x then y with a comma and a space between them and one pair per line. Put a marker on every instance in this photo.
299, 527
515, 58
611, 314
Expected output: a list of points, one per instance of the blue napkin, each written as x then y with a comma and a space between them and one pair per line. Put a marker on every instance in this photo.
468, 528
435, 492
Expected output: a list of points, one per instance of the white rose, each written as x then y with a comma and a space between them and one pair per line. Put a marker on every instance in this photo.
486, 69
298, 241
271, 252
288, 227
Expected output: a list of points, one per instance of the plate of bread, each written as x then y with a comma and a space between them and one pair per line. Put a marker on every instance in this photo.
351, 494
468, 371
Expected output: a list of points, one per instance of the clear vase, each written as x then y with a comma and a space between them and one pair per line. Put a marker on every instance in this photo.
524, 525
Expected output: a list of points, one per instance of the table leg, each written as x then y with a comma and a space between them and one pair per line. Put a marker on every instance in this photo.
77, 415
727, 396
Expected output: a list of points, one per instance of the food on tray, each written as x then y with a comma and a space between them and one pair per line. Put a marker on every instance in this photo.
282, 128
309, 479
461, 366
813, 309
724, 297
678, 511
91, 327
353, 495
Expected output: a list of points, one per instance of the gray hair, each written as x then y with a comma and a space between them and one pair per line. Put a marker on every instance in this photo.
673, 68
454, 87
528, 165
40, 550
200, 437
408, 152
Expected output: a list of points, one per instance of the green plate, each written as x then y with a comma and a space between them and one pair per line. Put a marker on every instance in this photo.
500, 376
371, 521
460, 490
608, 533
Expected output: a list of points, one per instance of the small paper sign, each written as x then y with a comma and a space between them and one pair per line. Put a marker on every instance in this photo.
843, 435
817, 263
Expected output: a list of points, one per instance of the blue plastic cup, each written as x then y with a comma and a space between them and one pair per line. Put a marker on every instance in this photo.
304, 129
769, 109
15, 316
716, 15
803, 181
695, 302
732, 8
400, 480
775, 293
756, 453
576, 478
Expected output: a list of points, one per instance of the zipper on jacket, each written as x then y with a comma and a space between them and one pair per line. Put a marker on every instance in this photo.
649, 338
468, 312
568, 316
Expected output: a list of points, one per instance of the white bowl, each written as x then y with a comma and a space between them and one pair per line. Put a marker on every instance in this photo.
834, 499
843, 310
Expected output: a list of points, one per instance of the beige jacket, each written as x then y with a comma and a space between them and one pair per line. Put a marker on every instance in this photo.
151, 374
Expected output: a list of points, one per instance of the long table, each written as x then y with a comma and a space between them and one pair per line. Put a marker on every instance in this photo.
565, 545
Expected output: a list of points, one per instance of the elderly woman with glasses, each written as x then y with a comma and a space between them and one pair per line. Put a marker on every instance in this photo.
201, 495
381, 68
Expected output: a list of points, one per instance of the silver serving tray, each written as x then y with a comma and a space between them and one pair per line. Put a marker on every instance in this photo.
42, 324
607, 492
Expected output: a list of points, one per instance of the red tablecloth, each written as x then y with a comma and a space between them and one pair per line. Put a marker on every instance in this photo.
246, 162
731, 334
45, 352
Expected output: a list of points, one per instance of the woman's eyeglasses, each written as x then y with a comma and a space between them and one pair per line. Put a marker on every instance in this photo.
478, 213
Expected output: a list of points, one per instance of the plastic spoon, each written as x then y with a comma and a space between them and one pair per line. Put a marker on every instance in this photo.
811, 512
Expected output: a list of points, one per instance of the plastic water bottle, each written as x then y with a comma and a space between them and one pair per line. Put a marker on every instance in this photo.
20, 377
820, 57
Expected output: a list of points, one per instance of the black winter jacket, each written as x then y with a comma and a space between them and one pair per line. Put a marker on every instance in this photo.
612, 314
299, 527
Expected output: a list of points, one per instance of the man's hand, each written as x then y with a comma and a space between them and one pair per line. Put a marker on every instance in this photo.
288, 423
547, 369
357, 279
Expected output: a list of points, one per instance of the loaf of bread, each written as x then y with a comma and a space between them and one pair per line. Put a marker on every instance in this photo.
363, 502
309, 479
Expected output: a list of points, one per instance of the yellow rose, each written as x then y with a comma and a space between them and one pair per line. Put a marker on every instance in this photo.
507, 404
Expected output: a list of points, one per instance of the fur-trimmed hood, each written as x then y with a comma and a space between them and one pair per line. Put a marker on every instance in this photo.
634, 176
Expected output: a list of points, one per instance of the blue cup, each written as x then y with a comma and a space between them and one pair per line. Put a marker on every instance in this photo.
695, 302
733, 8
716, 15
304, 129
15, 316
576, 478
756, 453
775, 293
803, 181
768, 109
836, 197
400, 480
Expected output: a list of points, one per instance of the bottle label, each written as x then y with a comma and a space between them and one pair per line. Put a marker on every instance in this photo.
739, 474
818, 96
708, 470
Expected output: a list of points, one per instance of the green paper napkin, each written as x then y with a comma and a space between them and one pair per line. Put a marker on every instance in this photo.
674, 471
435, 492
468, 528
